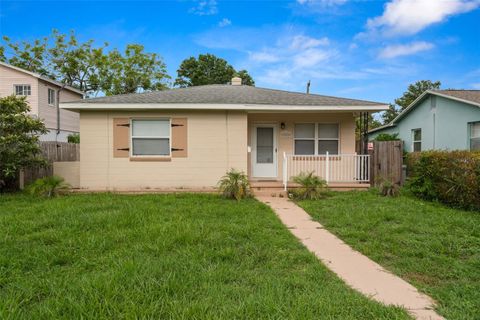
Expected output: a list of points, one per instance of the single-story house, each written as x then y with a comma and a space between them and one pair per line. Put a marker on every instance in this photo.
438, 119
190, 137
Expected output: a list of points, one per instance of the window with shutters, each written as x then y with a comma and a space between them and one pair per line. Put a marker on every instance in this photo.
316, 138
150, 137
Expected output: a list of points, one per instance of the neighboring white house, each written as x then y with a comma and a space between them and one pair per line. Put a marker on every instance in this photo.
42, 94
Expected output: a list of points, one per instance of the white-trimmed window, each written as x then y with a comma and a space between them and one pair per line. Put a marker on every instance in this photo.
328, 138
316, 138
150, 137
475, 136
417, 140
51, 97
23, 90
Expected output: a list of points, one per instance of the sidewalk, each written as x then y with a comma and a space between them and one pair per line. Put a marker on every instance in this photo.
358, 271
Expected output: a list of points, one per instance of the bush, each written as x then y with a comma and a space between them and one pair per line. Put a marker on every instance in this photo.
388, 188
73, 138
48, 187
234, 185
451, 177
311, 187
387, 137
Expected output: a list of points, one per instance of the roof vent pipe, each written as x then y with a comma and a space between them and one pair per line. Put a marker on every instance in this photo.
308, 87
236, 81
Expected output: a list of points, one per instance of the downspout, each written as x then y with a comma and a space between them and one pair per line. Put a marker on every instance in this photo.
58, 111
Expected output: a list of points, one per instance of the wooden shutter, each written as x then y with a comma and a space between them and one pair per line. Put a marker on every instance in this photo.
121, 137
179, 137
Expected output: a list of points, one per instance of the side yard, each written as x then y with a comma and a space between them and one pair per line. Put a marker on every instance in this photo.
435, 248
163, 256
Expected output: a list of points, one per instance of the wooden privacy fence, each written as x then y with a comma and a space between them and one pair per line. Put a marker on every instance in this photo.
386, 162
52, 151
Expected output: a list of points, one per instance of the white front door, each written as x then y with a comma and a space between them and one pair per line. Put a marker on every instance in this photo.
264, 151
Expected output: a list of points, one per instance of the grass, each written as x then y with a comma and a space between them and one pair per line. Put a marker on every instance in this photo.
165, 257
435, 248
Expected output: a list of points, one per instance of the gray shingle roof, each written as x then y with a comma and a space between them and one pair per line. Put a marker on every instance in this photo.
469, 95
228, 94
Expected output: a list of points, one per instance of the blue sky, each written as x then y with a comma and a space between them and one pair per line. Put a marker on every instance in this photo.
360, 49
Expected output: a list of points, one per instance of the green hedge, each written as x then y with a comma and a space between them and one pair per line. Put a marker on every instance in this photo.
451, 177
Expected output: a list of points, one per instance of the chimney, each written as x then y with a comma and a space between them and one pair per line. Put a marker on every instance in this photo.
236, 81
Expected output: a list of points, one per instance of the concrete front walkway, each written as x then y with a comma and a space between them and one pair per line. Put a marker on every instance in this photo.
355, 269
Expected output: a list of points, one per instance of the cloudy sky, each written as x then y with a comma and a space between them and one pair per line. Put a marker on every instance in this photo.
360, 49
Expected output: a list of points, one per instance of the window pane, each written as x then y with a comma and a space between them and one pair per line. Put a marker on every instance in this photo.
151, 128
475, 130
475, 144
328, 145
417, 135
328, 131
417, 146
19, 90
264, 145
305, 130
304, 147
151, 147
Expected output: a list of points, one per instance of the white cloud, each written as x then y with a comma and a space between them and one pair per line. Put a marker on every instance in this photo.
263, 56
407, 17
301, 42
398, 50
205, 8
322, 2
475, 86
310, 57
224, 23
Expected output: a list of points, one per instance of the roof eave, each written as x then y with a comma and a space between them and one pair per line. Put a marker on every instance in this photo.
209, 106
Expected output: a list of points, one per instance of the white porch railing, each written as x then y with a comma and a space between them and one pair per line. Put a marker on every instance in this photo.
331, 168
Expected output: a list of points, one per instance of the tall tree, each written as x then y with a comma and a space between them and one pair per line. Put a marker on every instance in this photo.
87, 67
19, 133
246, 78
208, 69
135, 70
414, 91
30, 56
390, 114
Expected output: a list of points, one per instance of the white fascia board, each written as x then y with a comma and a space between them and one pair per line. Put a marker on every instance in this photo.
206, 106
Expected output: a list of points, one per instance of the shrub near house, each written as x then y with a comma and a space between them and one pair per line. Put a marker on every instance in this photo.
451, 177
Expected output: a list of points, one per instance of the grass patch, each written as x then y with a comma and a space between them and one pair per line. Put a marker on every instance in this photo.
435, 248
164, 257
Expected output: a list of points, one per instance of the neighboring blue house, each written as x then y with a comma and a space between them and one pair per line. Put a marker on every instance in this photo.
438, 119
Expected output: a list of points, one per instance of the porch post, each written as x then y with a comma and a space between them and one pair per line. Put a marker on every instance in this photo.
327, 168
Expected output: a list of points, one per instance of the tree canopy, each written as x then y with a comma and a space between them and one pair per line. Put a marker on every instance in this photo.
90, 68
413, 92
19, 133
208, 69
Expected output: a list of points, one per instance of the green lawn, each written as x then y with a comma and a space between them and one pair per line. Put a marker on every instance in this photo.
435, 248
164, 257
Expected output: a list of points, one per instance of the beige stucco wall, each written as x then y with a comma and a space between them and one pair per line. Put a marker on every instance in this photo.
285, 143
68, 170
10, 77
69, 120
217, 141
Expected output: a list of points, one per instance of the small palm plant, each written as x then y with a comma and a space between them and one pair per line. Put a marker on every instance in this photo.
48, 187
311, 187
234, 185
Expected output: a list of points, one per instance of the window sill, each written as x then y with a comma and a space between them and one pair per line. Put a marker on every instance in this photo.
154, 159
